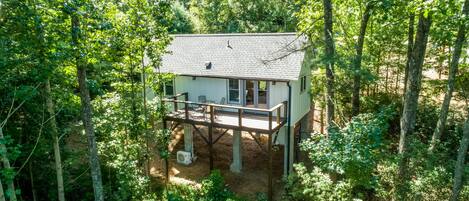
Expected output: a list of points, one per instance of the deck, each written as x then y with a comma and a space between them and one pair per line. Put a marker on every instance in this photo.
265, 121
255, 122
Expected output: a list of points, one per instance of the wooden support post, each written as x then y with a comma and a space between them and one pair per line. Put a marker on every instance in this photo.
270, 195
166, 161
212, 114
186, 110
269, 148
270, 121
210, 146
210, 137
240, 118
285, 109
175, 103
278, 115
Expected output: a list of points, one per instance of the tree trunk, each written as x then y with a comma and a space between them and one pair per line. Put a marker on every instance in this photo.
358, 61
410, 46
6, 164
87, 114
133, 102
145, 115
2, 194
43, 62
396, 85
31, 178
378, 73
329, 61
411, 98
459, 168
453, 70
55, 142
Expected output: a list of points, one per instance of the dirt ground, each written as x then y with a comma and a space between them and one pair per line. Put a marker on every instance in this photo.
250, 182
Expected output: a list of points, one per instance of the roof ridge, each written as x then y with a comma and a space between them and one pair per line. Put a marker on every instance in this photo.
235, 34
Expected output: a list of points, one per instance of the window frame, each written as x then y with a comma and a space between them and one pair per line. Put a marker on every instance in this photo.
303, 80
232, 89
165, 85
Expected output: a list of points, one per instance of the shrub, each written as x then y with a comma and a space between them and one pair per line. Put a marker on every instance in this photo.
345, 160
352, 152
315, 185
213, 189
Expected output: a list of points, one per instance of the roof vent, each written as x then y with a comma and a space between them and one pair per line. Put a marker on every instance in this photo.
208, 65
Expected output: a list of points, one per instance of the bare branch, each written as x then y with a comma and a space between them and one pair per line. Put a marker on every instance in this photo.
38, 137
287, 53
10, 113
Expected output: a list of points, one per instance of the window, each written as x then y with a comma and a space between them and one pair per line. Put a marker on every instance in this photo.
303, 84
233, 91
169, 88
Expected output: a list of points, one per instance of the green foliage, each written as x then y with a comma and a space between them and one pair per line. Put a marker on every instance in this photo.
353, 151
181, 22
234, 16
315, 185
345, 161
12, 153
431, 175
182, 193
123, 155
213, 189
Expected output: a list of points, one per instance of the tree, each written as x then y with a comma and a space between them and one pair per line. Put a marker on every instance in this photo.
453, 70
409, 112
329, 57
55, 141
11, 192
238, 16
46, 65
460, 163
86, 107
2, 194
410, 43
358, 59
181, 19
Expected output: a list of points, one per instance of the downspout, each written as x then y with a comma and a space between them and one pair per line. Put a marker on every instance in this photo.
288, 127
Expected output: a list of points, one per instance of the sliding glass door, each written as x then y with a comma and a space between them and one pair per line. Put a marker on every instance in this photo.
250, 93
262, 94
256, 94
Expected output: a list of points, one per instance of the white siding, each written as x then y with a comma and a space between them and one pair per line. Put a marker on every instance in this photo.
213, 88
300, 102
278, 93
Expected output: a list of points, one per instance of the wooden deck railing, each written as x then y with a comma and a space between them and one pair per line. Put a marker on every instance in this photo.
212, 107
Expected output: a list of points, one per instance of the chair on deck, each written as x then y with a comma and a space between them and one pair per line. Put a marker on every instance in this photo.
222, 102
202, 99
201, 108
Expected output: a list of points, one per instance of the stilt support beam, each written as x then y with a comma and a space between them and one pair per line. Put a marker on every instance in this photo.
270, 193
237, 163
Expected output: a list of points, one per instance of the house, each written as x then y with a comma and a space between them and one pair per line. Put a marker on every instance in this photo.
255, 83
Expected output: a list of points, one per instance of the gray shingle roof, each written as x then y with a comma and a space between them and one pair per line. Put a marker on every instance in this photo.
262, 56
